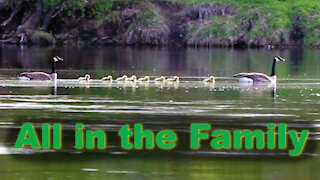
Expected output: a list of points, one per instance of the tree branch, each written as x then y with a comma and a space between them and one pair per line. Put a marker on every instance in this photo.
14, 12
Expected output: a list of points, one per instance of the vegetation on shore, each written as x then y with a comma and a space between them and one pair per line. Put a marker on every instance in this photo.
262, 22
236, 23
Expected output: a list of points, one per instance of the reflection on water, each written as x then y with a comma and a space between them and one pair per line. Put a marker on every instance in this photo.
116, 61
107, 106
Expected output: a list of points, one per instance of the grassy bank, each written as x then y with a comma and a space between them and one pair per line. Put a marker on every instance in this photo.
272, 21
158, 22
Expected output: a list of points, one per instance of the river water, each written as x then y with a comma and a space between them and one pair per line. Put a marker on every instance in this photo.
107, 106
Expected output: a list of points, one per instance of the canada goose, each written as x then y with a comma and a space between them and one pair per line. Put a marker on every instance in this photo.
211, 79
174, 79
107, 78
123, 78
87, 77
160, 79
255, 77
42, 76
133, 78
146, 78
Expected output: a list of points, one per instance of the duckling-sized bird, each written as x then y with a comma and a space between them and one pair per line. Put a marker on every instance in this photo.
144, 79
133, 78
107, 78
160, 79
87, 77
211, 79
175, 79
42, 76
255, 77
123, 78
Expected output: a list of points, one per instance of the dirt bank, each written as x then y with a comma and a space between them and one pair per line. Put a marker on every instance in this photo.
154, 23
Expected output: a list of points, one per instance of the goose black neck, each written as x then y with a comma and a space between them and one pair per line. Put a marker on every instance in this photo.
273, 72
54, 67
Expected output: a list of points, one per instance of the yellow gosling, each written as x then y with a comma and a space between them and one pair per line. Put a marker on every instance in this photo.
123, 78
160, 79
107, 78
146, 78
133, 78
211, 79
87, 77
174, 79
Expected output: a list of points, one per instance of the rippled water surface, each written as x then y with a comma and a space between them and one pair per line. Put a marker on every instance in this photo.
107, 106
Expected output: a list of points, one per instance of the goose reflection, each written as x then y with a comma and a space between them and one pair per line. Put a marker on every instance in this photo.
129, 85
159, 84
259, 88
54, 89
144, 84
209, 85
174, 84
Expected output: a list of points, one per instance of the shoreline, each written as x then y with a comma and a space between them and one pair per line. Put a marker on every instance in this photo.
81, 45
213, 24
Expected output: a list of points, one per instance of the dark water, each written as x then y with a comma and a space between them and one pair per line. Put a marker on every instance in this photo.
301, 63
107, 106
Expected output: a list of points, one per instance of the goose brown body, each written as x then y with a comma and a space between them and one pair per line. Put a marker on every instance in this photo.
41, 76
254, 77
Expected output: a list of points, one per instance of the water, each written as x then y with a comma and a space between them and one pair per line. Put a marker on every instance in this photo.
107, 106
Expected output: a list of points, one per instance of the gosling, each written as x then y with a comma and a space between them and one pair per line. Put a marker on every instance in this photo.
123, 78
87, 77
175, 79
160, 79
133, 78
144, 79
211, 79
107, 78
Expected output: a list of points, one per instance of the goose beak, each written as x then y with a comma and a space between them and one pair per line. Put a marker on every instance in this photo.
58, 58
281, 58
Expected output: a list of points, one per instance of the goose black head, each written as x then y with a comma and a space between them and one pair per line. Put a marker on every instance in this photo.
57, 59
279, 58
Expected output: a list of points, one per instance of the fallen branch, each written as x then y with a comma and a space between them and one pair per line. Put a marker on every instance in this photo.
14, 12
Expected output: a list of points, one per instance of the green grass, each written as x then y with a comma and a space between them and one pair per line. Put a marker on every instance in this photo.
150, 16
272, 18
41, 37
222, 26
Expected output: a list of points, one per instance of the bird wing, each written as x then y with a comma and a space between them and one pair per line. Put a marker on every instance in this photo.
256, 77
36, 75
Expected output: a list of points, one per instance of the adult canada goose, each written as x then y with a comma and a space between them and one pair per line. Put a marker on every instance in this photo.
174, 79
146, 78
160, 79
42, 76
87, 77
255, 77
133, 78
123, 78
211, 79
107, 78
